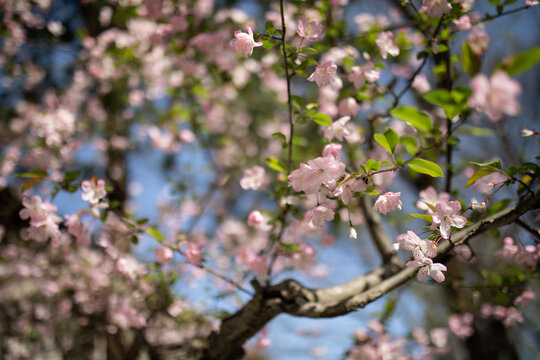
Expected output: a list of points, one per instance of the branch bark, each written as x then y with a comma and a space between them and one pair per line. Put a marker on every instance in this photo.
295, 299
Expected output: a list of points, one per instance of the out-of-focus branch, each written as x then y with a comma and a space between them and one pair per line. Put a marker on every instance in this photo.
376, 230
293, 298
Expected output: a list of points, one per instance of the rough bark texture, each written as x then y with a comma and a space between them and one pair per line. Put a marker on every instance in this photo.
293, 298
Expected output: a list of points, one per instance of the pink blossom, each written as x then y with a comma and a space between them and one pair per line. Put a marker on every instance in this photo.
428, 268
429, 197
525, 298
76, 228
421, 84
496, 96
332, 150
310, 30
253, 178
352, 232
43, 220
194, 254
461, 325
163, 254
509, 249
463, 23
348, 188
255, 263
478, 39
361, 74
419, 248
319, 171
388, 202
318, 215
348, 107
93, 190
255, 218
532, 2
436, 8
385, 42
337, 129
447, 215
324, 74
244, 43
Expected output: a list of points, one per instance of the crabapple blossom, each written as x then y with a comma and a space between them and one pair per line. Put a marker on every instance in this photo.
495, 96
463, 23
322, 170
525, 298
352, 232
324, 74
421, 84
255, 218
461, 325
308, 29
194, 254
360, 74
318, 215
532, 2
428, 268
386, 45
348, 188
93, 190
478, 39
436, 8
337, 129
253, 178
447, 215
348, 107
332, 150
163, 254
244, 43
418, 247
388, 202
429, 197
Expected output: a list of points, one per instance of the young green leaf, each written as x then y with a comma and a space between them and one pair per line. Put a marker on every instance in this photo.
521, 62
155, 233
469, 60
322, 119
410, 144
275, 164
381, 139
413, 116
480, 173
426, 167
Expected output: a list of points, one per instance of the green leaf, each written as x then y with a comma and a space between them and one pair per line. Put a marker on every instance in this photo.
297, 101
373, 165
410, 144
426, 167
71, 175
473, 131
480, 173
275, 164
308, 51
387, 163
269, 26
381, 139
492, 164
392, 138
469, 60
33, 181
521, 62
413, 116
33, 173
155, 233
425, 217
279, 136
322, 119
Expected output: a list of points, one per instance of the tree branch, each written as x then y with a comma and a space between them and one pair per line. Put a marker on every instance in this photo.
293, 298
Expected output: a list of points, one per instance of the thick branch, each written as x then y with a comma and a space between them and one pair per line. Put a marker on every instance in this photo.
293, 298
